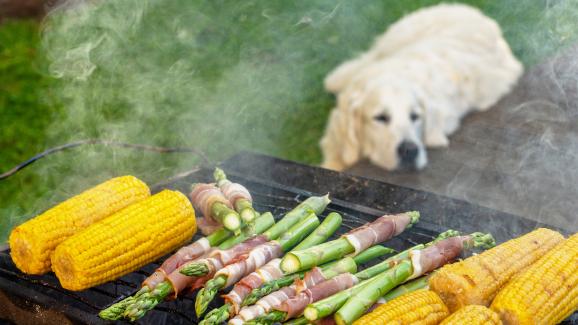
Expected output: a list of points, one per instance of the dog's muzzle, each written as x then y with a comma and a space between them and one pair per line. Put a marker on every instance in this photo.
407, 152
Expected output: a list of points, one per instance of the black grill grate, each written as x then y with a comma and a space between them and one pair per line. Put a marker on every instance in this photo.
33, 292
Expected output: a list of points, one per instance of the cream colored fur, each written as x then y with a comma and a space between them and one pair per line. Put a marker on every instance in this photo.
438, 63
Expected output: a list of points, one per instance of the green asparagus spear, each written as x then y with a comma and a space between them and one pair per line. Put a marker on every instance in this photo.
140, 304
324, 231
314, 204
115, 311
411, 286
271, 286
331, 304
297, 321
384, 282
287, 240
243, 206
306, 259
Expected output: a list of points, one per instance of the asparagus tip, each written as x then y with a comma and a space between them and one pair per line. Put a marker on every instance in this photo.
195, 269
219, 174
414, 216
481, 240
447, 234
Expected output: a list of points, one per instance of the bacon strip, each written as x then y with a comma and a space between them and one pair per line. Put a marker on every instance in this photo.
256, 258
378, 231
208, 225
266, 304
436, 255
185, 254
269, 272
234, 191
204, 195
216, 260
296, 305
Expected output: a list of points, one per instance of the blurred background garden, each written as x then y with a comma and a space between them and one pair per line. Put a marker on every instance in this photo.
220, 76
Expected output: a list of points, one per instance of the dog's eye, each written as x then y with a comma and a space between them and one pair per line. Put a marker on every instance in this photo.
414, 117
384, 118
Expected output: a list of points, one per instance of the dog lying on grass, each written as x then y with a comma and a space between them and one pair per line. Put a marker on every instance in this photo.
411, 89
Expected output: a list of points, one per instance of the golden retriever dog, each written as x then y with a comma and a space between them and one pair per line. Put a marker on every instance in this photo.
411, 89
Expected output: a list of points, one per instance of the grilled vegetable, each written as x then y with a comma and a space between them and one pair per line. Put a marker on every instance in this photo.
32, 242
419, 263
238, 196
311, 279
408, 287
176, 282
313, 205
190, 252
473, 315
477, 279
421, 306
355, 241
364, 257
386, 271
216, 209
547, 292
260, 255
324, 231
269, 272
125, 241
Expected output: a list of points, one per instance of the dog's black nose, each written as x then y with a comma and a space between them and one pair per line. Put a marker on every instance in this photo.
407, 151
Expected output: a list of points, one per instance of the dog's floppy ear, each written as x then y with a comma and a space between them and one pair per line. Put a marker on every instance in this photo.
341, 144
338, 79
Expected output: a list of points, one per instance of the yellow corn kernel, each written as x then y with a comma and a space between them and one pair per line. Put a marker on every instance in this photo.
473, 315
125, 241
477, 279
32, 242
419, 307
547, 292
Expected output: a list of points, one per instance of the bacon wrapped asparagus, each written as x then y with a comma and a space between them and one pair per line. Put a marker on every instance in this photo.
177, 281
269, 287
419, 263
216, 209
313, 205
200, 248
254, 259
238, 196
278, 313
357, 240
310, 279
269, 272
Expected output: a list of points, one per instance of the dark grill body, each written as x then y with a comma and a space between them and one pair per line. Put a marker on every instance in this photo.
276, 186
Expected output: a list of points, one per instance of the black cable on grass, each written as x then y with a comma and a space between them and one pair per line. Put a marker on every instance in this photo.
107, 143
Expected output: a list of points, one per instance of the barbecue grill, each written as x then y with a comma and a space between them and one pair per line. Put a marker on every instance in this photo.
277, 186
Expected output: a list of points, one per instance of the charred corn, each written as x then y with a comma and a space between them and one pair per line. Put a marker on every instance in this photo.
32, 242
125, 241
473, 315
547, 292
420, 307
477, 280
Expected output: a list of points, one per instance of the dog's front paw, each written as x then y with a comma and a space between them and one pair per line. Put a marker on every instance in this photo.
333, 165
437, 140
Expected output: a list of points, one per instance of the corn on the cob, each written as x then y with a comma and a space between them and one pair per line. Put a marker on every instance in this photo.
477, 280
473, 315
125, 241
421, 306
32, 242
547, 292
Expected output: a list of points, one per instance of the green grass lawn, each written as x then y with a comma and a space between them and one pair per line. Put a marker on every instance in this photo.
220, 76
